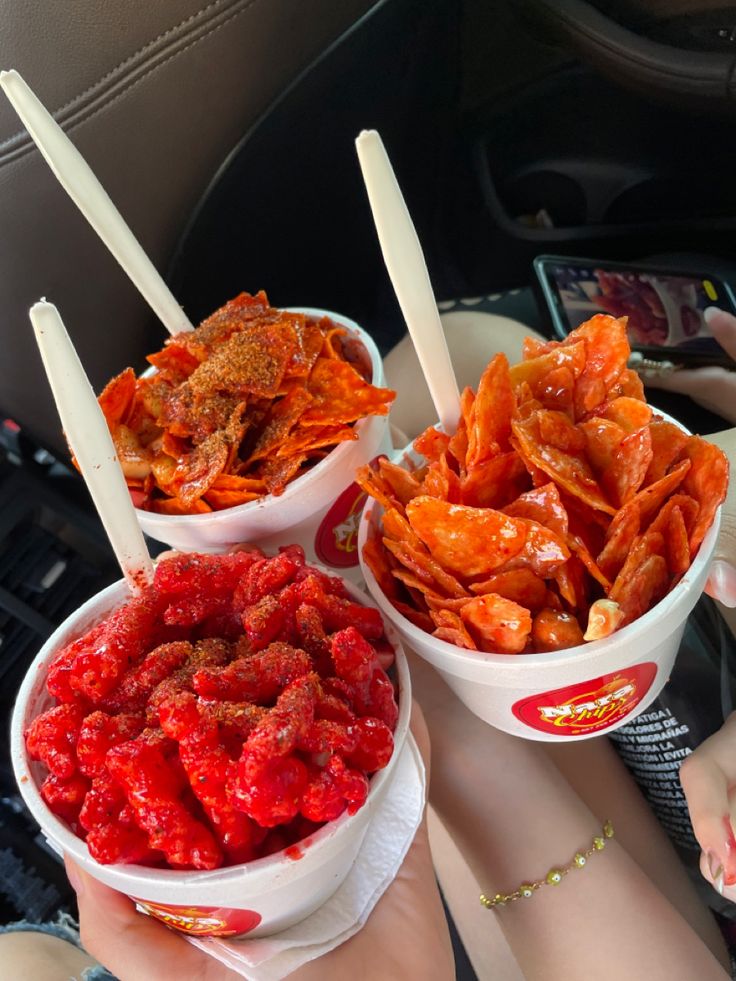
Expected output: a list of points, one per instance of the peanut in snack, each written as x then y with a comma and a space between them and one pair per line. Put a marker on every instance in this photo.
561, 509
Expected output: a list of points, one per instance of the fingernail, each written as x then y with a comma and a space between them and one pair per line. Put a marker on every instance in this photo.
715, 867
72, 874
710, 312
722, 582
729, 864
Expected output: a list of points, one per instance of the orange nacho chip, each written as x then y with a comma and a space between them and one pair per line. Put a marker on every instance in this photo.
451, 628
649, 544
116, 399
312, 438
277, 472
478, 541
397, 527
404, 484
497, 625
629, 467
425, 567
494, 483
688, 508
252, 362
234, 316
377, 560
432, 443
233, 398
489, 426
219, 500
341, 395
706, 481
278, 423
441, 481
233, 482
650, 499
677, 543
174, 360
308, 347
173, 505
468, 541
559, 493
535, 371
620, 537
628, 413
569, 471
435, 602
572, 584
417, 617
606, 353
668, 441
543, 505
371, 481
196, 472
646, 586
520, 585
458, 445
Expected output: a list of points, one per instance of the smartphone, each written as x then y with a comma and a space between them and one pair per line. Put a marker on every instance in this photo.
664, 306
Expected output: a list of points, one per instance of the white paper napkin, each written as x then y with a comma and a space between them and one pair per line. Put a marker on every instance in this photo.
386, 843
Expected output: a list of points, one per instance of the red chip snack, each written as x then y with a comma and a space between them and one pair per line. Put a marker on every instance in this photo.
237, 694
560, 510
239, 407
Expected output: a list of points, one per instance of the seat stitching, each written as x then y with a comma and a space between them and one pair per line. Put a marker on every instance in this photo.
179, 28
128, 88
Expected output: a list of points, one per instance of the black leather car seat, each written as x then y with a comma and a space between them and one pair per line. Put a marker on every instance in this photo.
154, 95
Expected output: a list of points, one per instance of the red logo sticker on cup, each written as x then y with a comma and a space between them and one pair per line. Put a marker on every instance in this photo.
336, 541
203, 921
588, 707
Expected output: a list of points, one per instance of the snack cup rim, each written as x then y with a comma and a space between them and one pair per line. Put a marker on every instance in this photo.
294, 487
57, 830
583, 653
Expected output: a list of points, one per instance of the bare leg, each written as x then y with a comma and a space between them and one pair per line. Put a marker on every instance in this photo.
472, 339
514, 817
483, 940
26, 955
595, 772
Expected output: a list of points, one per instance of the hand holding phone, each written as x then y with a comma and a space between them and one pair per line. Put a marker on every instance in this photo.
665, 308
712, 387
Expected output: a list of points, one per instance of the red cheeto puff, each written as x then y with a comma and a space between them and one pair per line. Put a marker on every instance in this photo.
257, 677
227, 713
271, 778
52, 738
153, 788
356, 662
209, 769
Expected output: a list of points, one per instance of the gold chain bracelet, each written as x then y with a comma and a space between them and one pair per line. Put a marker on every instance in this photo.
554, 877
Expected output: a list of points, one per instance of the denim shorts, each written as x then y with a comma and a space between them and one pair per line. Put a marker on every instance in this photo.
65, 928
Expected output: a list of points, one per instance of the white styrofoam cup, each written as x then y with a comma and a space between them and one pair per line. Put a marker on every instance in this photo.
562, 695
260, 897
319, 510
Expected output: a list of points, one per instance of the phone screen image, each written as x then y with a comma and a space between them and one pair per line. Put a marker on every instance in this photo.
663, 309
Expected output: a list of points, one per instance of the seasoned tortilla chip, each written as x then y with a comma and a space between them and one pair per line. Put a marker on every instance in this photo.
491, 416
569, 471
496, 624
706, 481
341, 395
